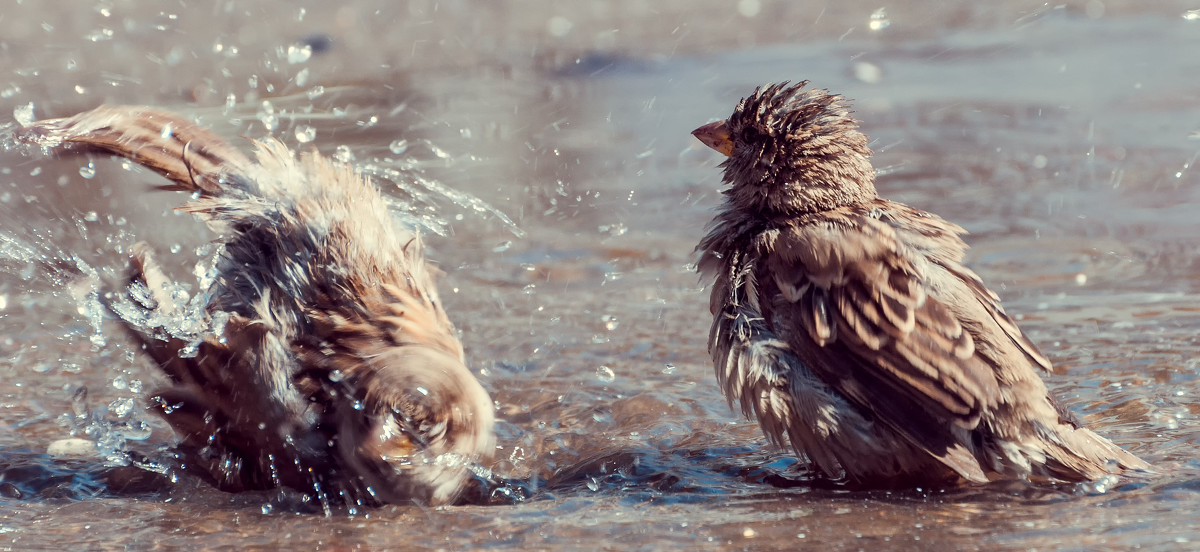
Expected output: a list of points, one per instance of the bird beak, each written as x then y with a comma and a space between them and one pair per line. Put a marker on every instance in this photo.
716, 136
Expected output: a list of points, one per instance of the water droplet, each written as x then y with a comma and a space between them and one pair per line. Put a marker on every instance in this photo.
99, 35
606, 374
24, 114
614, 230
167, 131
120, 382
316, 92
298, 53
423, 391
136, 430
610, 322
305, 134
398, 147
88, 171
79, 402
344, 154
336, 376
266, 114
592, 484
1191, 15
302, 77
668, 369
121, 407
190, 350
502, 246
879, 20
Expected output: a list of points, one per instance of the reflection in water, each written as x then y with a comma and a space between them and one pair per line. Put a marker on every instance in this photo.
1056, 138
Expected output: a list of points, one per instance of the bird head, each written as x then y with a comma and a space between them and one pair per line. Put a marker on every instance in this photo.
792, 150
422, 420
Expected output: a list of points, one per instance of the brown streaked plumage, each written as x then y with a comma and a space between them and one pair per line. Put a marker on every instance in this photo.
330, 366
848, 325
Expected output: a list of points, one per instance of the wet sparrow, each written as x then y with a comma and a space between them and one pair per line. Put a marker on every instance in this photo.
329, 365
848, 325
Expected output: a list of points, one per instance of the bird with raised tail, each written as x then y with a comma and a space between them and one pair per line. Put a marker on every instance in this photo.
329, 365
848, 325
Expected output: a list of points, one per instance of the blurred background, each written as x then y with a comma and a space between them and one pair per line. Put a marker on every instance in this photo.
545, 148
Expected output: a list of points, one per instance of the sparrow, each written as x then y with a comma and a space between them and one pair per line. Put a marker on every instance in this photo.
849, 326
327, 363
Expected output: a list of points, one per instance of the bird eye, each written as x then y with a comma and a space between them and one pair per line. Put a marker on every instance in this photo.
752, 135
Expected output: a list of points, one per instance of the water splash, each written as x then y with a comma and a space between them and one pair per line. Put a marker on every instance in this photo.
422, 197
108, 436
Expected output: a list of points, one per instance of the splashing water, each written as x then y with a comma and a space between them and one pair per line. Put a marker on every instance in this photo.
424, 195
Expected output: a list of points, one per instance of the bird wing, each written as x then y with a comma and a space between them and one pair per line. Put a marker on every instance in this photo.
220, 397
938, 241
991, 303
859, 304
192, 157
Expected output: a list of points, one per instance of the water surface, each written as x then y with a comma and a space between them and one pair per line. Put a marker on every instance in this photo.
1063, 138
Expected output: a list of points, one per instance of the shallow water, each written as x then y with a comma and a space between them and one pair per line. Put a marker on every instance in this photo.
1062, 138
